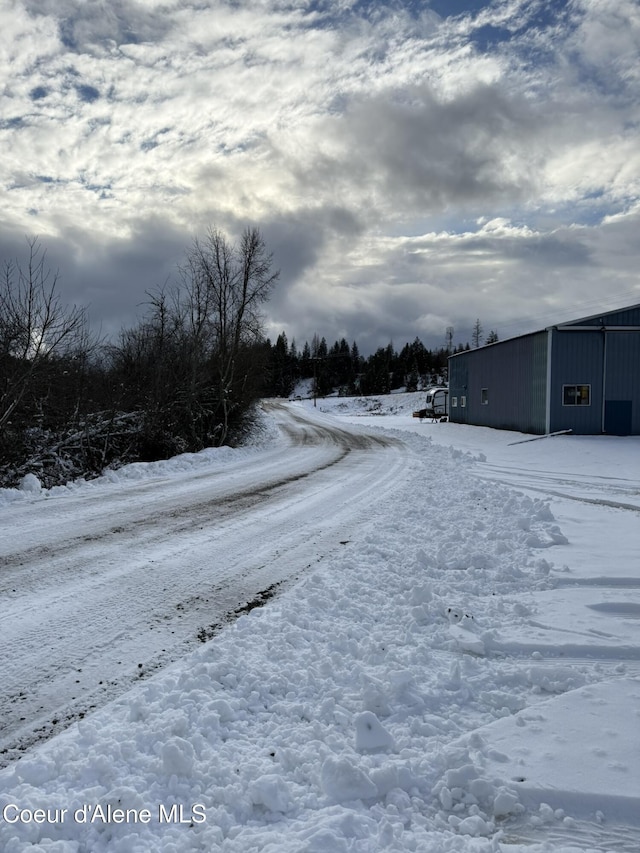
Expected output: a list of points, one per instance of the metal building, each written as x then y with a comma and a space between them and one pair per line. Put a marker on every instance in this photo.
582, 376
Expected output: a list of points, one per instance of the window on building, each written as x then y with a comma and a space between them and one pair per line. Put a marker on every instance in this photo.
576, 395
463, 402
454, 402
484, 396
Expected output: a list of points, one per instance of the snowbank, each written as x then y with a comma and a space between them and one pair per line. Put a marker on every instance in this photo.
30, 487
403, 697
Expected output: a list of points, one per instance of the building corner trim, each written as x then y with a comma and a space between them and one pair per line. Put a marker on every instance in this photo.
547, 416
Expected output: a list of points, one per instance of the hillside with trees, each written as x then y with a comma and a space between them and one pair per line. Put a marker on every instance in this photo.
186, 376
341, 369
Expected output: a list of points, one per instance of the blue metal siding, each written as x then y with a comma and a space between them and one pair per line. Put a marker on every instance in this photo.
514, 375
577, 359
458, 388
622, 378
580, 358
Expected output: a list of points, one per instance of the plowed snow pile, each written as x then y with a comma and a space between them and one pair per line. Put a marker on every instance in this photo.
461, 674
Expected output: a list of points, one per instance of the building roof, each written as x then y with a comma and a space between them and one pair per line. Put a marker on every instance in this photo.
600, 317
569, 323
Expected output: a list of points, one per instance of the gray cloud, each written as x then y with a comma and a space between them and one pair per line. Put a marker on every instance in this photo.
83, 25
544, 251
111, 278
423, 154
409, 171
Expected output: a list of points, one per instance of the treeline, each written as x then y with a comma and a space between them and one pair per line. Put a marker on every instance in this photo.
342, 368
185, 377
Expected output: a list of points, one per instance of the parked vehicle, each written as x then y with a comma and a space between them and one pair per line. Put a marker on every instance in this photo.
437, 405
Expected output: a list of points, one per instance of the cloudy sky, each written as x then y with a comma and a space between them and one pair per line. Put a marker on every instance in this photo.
412, 165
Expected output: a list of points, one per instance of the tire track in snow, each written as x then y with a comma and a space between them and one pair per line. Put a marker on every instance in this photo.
89, 613
542, 482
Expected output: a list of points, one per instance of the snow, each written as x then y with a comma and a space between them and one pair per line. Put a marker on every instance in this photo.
459, 671
30, 483
371, 735
520, 749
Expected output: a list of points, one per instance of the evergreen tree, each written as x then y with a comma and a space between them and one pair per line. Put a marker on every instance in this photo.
305, 365
282, 370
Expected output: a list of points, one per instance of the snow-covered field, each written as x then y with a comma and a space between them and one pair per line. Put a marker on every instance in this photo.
458, 671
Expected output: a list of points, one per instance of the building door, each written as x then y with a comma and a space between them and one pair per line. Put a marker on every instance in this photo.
617, 417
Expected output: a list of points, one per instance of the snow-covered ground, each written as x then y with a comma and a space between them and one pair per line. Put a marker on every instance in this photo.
458, 671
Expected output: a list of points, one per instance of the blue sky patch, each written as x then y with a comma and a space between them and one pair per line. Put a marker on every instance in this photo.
88, 94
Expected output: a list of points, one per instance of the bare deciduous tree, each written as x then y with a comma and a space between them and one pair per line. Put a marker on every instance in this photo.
226, 286
183, 378
35, 327
476, 335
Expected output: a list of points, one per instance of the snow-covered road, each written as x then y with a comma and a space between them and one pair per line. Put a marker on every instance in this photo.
99, 590
456, 668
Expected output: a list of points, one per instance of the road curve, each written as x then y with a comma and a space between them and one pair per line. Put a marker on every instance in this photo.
100, 590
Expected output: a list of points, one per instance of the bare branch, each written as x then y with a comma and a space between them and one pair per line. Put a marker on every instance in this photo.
34, 325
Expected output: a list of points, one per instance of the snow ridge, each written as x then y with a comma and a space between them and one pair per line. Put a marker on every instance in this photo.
345, 715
